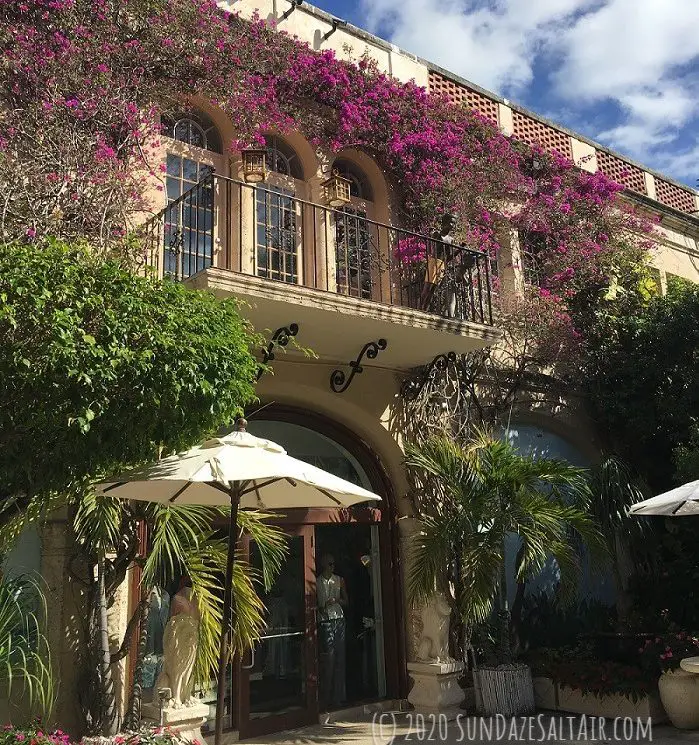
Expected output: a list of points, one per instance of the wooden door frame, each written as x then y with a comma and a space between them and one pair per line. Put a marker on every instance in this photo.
248, 727
395, 645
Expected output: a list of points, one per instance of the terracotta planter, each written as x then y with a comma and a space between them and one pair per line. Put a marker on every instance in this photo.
679, 692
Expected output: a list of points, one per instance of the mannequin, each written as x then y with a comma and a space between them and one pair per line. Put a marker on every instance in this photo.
332, 601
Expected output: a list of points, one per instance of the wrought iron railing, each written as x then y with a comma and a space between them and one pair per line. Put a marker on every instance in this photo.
266, 231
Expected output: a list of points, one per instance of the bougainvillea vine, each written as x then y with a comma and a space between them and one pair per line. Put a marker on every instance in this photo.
84, 83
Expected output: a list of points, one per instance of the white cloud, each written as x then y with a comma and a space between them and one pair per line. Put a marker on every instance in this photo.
490, 44
635, 53
642, 55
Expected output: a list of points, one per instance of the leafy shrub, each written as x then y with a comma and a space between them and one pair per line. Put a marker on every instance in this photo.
574, 668
545, 622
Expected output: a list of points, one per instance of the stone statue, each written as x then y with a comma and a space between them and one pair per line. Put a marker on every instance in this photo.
180, 641
433, 645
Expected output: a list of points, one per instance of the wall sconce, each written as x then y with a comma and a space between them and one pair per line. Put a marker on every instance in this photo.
337, 190
254, 165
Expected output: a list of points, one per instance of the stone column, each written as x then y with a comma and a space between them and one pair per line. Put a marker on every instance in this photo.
67, 622
436, 690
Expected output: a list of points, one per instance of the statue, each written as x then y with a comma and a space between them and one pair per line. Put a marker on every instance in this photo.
180, 641
433, 645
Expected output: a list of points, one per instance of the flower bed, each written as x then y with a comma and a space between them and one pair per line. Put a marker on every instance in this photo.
591, 686
32, 734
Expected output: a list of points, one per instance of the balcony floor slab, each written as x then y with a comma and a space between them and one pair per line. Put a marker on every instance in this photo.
336, 327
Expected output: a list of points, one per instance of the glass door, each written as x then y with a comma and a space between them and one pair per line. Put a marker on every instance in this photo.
278, 234
278, 688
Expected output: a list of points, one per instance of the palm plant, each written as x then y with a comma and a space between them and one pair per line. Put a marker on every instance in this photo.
473, 497
613, 489
24, 653
182, 540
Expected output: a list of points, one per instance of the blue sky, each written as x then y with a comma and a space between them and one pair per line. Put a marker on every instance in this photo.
622, 72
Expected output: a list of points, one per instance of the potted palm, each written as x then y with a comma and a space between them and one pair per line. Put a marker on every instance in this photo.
476, 496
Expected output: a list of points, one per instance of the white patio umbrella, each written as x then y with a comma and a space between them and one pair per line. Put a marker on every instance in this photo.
675, 503
242, 471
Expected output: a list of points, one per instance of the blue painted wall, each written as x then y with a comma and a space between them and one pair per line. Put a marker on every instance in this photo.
533, 440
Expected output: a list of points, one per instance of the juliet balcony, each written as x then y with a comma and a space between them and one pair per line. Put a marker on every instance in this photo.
342, 278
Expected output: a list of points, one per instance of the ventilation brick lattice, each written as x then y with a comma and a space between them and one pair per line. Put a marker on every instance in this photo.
460, 94
534, 132
622, 172
674, 196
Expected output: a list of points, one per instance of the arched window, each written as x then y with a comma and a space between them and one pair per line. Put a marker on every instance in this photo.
356, 252
189, 223
194, 128
359, 183
278, 224
282, 158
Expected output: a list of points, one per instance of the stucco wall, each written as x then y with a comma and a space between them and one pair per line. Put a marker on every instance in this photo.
310, 25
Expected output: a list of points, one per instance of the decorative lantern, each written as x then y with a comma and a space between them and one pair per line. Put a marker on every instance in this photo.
254, 165
337, 190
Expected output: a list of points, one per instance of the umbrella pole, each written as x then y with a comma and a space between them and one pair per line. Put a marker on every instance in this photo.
228, 613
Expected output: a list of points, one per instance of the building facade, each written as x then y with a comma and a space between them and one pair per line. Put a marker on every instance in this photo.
315, 277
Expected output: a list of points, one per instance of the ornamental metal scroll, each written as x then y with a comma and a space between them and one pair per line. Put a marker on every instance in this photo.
281, 338
339, 382
412, 388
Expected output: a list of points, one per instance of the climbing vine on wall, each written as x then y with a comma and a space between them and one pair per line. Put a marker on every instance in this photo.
83, 84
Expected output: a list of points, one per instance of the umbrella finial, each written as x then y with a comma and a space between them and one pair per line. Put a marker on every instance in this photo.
241, 425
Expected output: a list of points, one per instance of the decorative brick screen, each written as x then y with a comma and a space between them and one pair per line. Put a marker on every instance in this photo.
537, 133
674, 196
622, 172
462, 95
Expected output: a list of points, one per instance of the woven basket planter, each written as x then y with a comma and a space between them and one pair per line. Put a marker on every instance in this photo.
506, 689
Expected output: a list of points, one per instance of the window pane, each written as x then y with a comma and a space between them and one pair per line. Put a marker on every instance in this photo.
173, 188
190, 170
173, 164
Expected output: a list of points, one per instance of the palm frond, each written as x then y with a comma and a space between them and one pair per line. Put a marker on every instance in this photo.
176, 531
614, 489
432, 549
98, 521
270, 541
182, 542
37, 509
487, 491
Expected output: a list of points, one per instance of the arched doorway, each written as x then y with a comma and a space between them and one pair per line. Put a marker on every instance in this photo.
300, 669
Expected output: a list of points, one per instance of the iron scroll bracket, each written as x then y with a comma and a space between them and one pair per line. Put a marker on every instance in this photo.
412, 388
280, 338
340, 382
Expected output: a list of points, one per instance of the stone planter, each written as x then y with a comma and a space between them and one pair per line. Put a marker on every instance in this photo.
679, 692
545, 694
506, 689
609, 705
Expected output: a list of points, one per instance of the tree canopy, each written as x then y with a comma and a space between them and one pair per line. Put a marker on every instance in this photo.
100, 368
642, 381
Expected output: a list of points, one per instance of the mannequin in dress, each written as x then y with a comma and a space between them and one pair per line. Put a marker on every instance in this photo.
332, 600
180, 642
